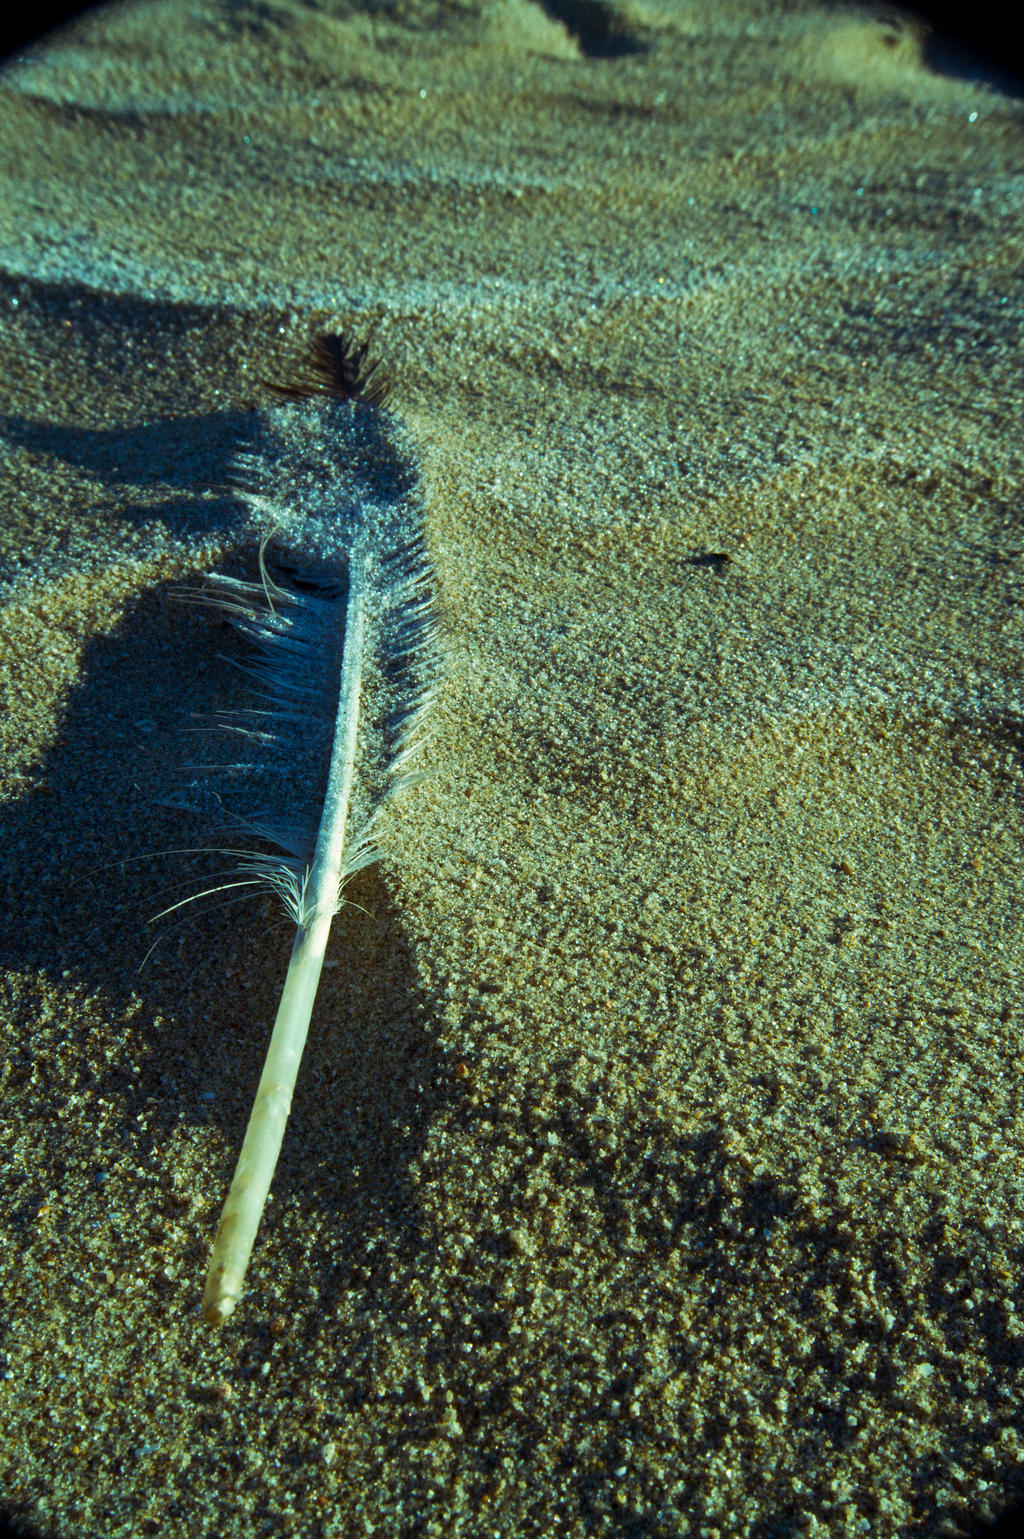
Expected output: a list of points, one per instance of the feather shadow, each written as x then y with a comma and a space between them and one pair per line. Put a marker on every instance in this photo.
75, 905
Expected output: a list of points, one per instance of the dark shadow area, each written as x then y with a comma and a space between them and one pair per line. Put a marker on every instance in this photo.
1005, 733
997, 740
102, 329
972, 42
87, 351
91, 803
23, 28
1009, 1525
600, 27
717, 560
15, 1524
156, 454
148, 455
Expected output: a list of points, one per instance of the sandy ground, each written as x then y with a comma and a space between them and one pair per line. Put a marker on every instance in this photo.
655, 1168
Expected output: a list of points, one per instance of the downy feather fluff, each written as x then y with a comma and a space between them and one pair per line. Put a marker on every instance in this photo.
344, 660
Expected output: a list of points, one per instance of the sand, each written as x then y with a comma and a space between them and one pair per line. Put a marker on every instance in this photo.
656, 1164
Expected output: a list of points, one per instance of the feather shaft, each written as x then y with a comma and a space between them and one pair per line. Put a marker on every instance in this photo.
264, 1135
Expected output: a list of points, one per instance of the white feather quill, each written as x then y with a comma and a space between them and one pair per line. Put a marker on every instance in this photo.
345, 659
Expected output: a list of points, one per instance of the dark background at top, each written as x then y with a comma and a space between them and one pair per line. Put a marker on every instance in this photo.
982, 28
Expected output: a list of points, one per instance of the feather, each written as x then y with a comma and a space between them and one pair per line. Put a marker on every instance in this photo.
344, 657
